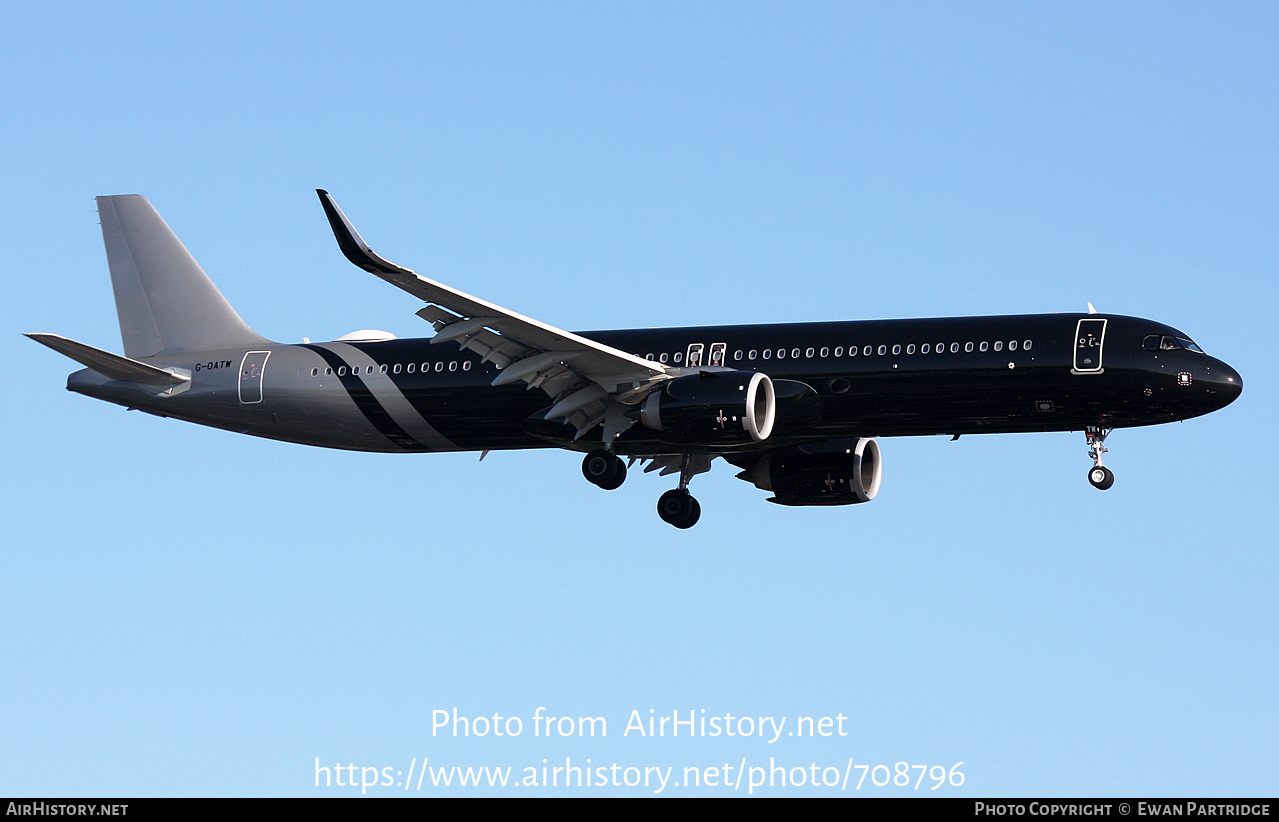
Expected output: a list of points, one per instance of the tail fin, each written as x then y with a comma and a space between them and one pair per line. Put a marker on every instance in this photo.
164, 300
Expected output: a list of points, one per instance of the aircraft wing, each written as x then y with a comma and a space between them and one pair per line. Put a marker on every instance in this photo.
584, 378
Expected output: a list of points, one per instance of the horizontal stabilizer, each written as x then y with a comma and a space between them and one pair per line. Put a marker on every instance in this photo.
108, 364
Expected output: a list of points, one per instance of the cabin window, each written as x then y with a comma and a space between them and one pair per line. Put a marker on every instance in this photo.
954, 348
439, 366
1012, 345
781, 353
984, 345
839, 351
1026, 345
925, 348
968, 348
384, 368
453, 365
678, 356
897, 349
466, 366
648, 357
662, 357
737, 354
396, 369
999, 345
768, 352
315, 372
410, 367
341, 370
751, 354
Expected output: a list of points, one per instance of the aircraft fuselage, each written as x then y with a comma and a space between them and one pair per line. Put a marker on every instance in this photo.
967, 375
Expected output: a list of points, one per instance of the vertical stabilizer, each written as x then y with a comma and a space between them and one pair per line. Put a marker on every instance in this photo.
164, 299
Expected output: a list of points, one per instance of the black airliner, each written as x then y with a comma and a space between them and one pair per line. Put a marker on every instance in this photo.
795, 406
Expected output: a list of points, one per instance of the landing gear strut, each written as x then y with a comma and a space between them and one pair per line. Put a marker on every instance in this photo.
604, 468
1099, 475
678, 507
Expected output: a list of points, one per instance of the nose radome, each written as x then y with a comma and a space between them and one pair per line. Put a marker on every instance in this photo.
1226, 380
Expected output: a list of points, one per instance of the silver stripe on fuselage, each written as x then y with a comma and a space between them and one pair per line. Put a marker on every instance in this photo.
391, 398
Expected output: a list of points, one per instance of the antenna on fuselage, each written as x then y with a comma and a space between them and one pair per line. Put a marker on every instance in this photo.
1091, 310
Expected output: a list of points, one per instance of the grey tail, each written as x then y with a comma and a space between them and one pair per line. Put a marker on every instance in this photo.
165, 301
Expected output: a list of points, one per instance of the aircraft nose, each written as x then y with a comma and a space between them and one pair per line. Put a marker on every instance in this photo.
1226, 381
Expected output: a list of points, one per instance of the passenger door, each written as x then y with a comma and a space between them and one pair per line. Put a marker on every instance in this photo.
251, 370
1090, 335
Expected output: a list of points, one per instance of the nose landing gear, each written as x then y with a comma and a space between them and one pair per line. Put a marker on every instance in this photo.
1099, 475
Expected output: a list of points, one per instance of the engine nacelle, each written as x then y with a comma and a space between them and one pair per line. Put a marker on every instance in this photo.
833, 472
712, 408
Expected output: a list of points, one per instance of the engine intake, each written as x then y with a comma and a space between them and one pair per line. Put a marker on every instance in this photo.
833, 472
721, 407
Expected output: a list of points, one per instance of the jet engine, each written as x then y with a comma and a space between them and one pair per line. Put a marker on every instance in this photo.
831, 472
712, 407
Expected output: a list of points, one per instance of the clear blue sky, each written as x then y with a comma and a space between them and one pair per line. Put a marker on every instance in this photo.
190, 612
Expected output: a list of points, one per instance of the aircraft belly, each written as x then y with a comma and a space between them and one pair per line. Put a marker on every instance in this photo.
479, 417
971, 402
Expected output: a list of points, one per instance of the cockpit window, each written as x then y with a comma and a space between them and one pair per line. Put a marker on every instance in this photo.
1166, 342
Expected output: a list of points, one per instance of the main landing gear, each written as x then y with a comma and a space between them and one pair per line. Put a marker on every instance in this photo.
677, 507
1100, 476
604, 468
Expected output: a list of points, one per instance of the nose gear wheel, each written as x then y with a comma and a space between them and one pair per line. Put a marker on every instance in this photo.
1099, 475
